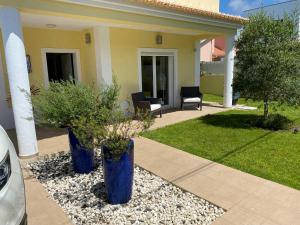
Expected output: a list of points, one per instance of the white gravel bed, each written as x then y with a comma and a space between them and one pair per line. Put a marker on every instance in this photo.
154, 200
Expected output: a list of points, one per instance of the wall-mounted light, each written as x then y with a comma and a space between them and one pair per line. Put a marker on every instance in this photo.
87, 38
50, 25
159, 39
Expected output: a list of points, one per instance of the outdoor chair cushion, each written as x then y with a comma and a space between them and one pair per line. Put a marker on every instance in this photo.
192, 100
154, 107
141, 102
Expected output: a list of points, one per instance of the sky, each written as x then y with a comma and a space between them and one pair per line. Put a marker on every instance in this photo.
236, 7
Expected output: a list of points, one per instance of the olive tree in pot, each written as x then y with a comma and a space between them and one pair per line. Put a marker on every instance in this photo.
80, 108
118, 153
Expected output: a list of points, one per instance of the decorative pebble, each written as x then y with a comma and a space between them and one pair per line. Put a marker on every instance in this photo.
154, 200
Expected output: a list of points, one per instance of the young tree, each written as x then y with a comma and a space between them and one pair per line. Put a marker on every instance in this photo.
267, 64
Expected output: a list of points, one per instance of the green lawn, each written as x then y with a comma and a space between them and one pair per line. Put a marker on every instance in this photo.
219, 99
212, 98
228, 138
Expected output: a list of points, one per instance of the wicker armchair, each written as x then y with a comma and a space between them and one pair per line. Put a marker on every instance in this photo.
191, 95
142, 103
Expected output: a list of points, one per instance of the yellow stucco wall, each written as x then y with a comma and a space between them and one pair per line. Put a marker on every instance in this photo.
211, 5
212, 84
36, 39
124, 50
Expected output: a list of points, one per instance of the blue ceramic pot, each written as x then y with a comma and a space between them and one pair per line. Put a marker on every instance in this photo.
83, 159
118, 175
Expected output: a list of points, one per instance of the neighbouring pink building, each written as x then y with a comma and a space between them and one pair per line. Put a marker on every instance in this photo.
213, 50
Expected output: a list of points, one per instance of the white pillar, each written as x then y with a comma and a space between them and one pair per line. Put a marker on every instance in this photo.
18, 80
229, 65
103, 55
197, 62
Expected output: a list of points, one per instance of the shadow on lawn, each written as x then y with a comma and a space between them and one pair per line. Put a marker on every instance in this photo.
231, 120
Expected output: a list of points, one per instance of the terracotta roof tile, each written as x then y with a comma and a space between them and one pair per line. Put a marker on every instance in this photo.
218, 53
193, 11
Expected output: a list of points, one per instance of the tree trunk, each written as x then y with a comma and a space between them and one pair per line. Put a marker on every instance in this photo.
266, 108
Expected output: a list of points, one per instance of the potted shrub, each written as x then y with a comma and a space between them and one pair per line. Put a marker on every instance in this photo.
118, 154
80, 108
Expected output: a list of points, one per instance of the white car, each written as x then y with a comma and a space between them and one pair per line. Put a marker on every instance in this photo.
12, 192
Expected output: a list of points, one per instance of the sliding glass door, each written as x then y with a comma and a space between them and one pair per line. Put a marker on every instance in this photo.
157, 77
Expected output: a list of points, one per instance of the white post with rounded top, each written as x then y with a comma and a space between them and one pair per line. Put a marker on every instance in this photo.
18, 80
229, 66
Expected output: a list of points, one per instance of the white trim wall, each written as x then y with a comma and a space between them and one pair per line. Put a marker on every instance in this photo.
76, 62
161, 52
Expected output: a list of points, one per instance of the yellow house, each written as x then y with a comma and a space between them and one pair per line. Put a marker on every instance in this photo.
148, 45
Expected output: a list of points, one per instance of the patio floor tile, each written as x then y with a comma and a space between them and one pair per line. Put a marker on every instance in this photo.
269, 222
169, 169
232, 177
172, 117
40, 208
213, 190
287, 197
241, 216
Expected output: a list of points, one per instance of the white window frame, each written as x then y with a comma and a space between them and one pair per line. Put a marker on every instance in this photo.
76, 62
160, 52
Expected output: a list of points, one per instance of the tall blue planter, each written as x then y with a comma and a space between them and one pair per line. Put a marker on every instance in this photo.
118, 175
83, 159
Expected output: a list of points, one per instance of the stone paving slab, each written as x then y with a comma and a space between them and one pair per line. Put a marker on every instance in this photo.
176, 116
41, 210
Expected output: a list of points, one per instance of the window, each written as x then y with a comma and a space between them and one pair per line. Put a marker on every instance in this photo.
60, 66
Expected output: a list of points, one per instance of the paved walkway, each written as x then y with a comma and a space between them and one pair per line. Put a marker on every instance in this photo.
40, 208
172, 117
249, 200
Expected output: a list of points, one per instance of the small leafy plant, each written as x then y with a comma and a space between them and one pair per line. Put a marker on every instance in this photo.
121, 128
93, 114
83, 109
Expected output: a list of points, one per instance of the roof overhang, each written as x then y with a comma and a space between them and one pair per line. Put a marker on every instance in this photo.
169, 11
